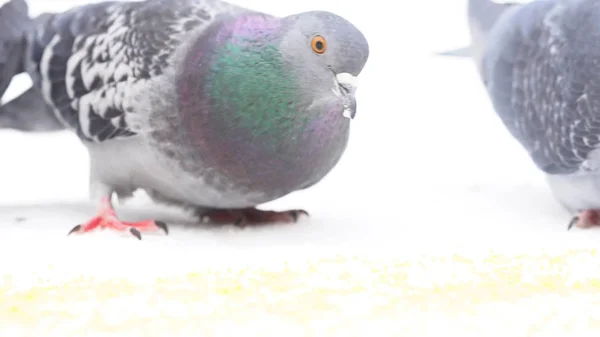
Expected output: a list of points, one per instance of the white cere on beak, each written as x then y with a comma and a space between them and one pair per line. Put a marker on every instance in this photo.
347, 112
347, 80
349, 83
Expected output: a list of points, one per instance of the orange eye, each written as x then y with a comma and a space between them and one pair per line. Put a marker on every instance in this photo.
318, 44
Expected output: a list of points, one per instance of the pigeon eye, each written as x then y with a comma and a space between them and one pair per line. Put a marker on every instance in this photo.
318, 44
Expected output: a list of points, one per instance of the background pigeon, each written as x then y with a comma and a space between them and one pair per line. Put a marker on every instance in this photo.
200, 103
541, 68
14, 19
29, 112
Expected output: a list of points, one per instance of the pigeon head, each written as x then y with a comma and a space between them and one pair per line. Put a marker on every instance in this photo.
277, 93
329, 52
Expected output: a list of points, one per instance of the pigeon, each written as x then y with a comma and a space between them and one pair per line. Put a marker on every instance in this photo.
541, 69
202, 104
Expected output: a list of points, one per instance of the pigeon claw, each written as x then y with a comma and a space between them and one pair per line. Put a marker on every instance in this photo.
586, 219
75, 229
162, 226
295, 214
251, 216
106, 219
135, 233
135, 228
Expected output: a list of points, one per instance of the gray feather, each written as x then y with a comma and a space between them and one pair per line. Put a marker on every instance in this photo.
14, 22
459, 52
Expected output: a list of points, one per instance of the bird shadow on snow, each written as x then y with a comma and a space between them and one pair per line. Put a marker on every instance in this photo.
53, 220
80, 211
496, 215
65, 214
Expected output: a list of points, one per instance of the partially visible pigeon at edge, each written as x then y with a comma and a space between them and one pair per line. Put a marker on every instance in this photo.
540, 64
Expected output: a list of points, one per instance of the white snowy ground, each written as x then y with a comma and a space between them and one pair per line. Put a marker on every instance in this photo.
429, 170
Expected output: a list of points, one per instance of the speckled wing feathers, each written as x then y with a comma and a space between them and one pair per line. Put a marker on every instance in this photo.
543, 73
88, 58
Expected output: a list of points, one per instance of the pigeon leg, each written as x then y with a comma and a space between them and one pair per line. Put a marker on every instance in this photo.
107, 219
251, 216
586, 219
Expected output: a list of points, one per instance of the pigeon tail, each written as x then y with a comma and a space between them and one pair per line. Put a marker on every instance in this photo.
482, 15
29, 111
14, 22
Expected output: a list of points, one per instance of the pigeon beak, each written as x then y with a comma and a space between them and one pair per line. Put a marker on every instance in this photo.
350, 108
347, 84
